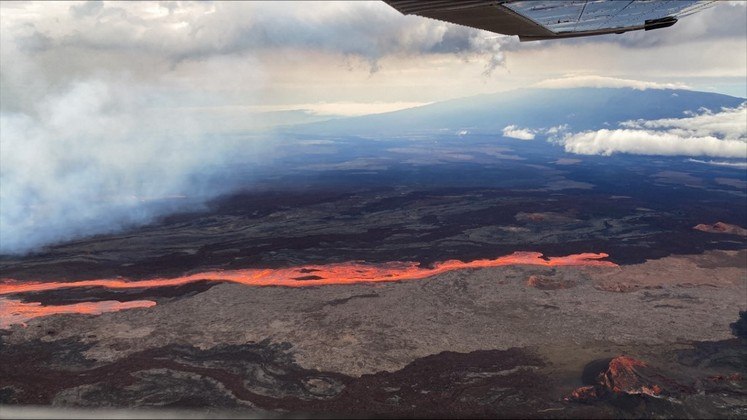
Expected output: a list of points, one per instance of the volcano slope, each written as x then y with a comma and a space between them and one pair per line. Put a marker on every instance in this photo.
460, 302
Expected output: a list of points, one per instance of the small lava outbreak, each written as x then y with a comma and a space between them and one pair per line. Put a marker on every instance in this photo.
311, 275
721, 227
17, 312
624, 375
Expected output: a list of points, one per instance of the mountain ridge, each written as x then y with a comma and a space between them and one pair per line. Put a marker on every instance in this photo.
581, 108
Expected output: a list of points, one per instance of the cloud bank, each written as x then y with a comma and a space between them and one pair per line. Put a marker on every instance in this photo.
737, 165
640, 142
722, 134
605, 82
201, 30
729, 124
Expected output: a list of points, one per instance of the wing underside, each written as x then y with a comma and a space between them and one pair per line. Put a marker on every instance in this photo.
549, 19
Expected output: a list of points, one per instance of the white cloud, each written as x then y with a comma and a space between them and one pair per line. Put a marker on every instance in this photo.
730, 124
200, 30
557, 129
518, 133
728, 164
346, 109
307, 51
641, 142
553, 133
722, 134
605, 82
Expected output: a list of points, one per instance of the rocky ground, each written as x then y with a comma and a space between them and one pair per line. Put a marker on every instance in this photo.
649, 334
489, 342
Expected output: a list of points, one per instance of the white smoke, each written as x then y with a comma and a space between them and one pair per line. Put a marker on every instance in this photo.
95, 158
100, 114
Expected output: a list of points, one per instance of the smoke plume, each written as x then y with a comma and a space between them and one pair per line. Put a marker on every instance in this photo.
98, 157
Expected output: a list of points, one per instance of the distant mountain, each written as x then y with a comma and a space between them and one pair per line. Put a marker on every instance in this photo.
580, 108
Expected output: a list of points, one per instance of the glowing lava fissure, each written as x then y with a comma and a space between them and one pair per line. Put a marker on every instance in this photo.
322, 275
17, 312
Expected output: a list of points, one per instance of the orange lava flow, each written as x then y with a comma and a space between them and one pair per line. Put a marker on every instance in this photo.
17, 312
317, 275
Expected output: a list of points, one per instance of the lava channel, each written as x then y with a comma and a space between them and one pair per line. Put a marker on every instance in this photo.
304, 276
17, 312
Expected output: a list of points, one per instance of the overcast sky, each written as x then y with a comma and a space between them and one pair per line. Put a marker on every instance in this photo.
224, 59
111, 112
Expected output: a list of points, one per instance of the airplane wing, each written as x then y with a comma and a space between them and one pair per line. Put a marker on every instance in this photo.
535, 20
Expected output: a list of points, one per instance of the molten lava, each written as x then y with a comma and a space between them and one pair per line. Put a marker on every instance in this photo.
311, 275
317, 275
17, 312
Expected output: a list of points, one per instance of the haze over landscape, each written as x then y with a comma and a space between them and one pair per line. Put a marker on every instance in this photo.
331, 208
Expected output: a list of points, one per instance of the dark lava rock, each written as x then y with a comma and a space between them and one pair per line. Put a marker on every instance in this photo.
264, 377
739, 327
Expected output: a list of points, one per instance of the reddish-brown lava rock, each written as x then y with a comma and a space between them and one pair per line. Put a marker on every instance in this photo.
549, 283
721, 227
630, 376
535, 217
584, 394
734, 377
625, 375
